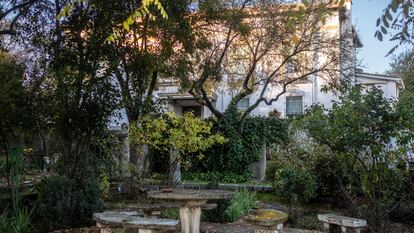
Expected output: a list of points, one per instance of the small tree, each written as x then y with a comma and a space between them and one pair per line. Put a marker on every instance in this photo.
177, 135
368, 136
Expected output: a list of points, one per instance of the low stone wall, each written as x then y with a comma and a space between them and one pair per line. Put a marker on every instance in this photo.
232, 187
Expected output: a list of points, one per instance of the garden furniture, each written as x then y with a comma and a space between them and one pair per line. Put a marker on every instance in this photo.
129, 221
344, 222
267, 220
192, 202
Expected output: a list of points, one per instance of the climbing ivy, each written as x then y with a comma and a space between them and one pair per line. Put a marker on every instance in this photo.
245, 142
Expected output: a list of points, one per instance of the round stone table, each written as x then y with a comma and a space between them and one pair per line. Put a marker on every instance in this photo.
192, 200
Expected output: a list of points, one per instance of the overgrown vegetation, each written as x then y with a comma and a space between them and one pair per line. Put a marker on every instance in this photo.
244, 145
368, 137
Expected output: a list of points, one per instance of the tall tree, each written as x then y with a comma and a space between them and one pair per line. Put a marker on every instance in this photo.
250, 46
138, 54
84, 97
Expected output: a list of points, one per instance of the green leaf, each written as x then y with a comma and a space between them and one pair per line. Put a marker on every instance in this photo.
379, 36
378, 21
384, 30
384, 20
388, 15
125, 25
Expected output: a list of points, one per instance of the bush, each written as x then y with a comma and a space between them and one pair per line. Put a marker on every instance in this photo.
61, 203
295, 185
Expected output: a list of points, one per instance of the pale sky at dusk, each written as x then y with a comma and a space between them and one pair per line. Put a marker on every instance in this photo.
365, 13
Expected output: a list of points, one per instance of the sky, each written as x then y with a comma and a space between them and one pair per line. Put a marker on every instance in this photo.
364, 15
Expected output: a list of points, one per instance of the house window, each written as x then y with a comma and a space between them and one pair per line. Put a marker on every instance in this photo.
243, 104
294, 106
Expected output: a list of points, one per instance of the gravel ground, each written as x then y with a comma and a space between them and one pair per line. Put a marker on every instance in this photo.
237, 227
226, 228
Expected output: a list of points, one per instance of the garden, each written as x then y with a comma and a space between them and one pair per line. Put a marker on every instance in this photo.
71, 70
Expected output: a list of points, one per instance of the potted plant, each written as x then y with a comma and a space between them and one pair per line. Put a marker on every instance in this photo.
178, 136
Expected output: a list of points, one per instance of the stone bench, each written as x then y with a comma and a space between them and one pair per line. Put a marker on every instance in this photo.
344, 222
129, 221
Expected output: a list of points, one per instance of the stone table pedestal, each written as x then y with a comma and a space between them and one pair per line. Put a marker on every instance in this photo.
192, 201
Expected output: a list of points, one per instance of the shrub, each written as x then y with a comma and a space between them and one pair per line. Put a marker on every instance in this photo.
62, 203
295, 185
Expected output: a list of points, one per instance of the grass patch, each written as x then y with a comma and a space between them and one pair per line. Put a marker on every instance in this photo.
270, 197
171, 214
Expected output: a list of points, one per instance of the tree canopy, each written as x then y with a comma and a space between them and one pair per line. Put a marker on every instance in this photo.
250, 46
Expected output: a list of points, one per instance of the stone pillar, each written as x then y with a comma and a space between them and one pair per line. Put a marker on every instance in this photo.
175, 167
258, 168
125, 155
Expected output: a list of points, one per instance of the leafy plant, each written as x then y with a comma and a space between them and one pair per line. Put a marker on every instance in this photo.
242, 202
